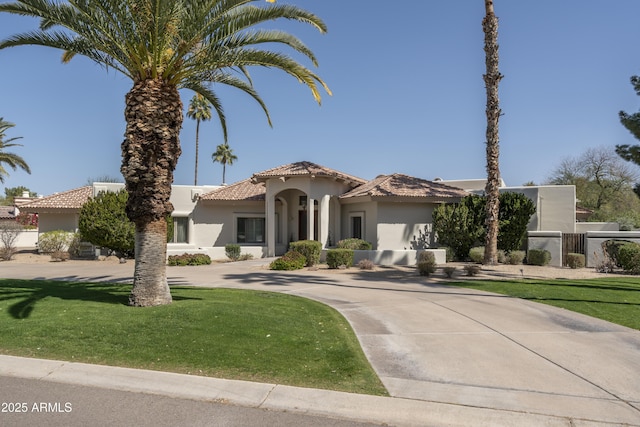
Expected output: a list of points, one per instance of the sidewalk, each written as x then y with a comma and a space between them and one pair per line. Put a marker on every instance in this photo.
448, 356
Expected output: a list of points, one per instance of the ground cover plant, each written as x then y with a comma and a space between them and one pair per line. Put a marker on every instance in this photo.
615, 300
224, 333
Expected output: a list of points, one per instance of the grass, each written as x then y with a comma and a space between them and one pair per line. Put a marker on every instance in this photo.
224, 333
615, 300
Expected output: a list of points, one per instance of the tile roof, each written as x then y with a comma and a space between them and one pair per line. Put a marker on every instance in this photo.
305, 169
243, 190
72, 199
7, 212
400, 185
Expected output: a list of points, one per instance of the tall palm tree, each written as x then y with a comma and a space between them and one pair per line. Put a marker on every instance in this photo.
492, 79
14, 161
164, 46
225, 156
199, 110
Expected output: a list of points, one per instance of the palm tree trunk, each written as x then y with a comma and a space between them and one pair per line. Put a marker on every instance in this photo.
195, 180
150, 153
492, 79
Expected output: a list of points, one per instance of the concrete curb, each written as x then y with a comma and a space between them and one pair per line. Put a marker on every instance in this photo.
349, 406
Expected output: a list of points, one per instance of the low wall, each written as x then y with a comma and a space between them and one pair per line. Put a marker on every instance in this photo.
583, 227
215, 252
595, 239
394, 257
547, 240
27, 239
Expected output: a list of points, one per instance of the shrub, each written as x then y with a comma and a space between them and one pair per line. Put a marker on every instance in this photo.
55, 241
502, 256
515, 212
460, 226
611, 249
449, 271
189, 259
292, 260
310, 249
575, 260
103, 222
355, 244
232, 251
9, 233
477, 254
629, 257
515, 257
426, 263
472, 269
245, 257
337, 258
538, 257
366, 264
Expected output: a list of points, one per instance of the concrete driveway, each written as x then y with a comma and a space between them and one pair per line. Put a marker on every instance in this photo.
472, 358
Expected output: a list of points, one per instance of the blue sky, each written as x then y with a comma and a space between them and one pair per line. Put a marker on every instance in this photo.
408, 96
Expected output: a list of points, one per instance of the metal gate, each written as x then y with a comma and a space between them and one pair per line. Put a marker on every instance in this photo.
572, 243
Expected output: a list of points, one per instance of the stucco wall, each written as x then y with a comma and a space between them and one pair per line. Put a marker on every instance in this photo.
555, 207
58, 221
404, 226
595, 239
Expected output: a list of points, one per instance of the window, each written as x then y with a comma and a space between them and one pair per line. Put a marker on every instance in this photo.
250, 230
180, 229
356, 221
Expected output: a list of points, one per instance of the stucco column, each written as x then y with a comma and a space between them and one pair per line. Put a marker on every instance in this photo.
271, 225
310, 216
323, 220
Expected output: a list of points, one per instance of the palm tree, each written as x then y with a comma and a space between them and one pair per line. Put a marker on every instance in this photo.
14, 161
199, 110
225, 156
492, 79
164, 46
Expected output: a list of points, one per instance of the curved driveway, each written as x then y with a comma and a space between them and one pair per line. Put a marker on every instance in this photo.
439, 344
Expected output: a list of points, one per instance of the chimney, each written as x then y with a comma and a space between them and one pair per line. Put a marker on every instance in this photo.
25, 194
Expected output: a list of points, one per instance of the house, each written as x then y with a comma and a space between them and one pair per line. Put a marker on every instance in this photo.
303, 200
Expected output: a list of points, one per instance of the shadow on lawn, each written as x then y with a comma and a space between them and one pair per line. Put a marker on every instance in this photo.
31, 292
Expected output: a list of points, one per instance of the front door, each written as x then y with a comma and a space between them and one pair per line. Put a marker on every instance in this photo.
303, 230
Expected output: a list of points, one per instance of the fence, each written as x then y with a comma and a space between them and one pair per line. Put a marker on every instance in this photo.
572, 243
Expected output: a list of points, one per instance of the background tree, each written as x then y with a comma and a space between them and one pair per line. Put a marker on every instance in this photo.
103, 178
103, 222
12, 160
632, 123
199, 110
461, 226
10, 193
164, 46
224, 155
604, 184
492, 80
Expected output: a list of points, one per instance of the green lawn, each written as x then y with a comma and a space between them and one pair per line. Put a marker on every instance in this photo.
235, 334
616, 300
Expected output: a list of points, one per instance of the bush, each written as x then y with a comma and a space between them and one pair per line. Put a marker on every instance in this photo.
189, 259
9, 233
575, 260
502, 256
449, 271
629, 257
426, 263
538, 257
472, 269
55, 241
310, 249
611, 249
515, 257
292, 260
366, 264
355, 244
103, 222
337, 258
477, 254
232, 251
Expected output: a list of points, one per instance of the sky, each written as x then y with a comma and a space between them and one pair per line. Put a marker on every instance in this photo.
408, 96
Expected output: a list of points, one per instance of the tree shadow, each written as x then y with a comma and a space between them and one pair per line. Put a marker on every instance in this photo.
30, 292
